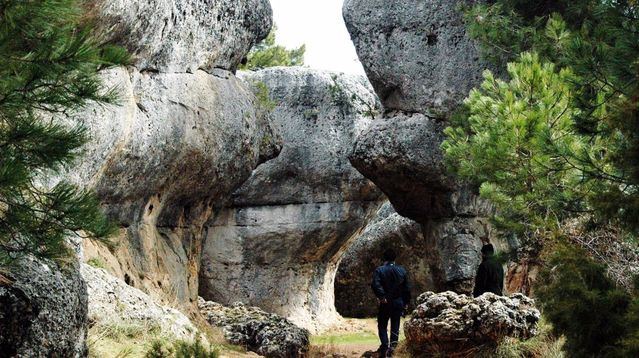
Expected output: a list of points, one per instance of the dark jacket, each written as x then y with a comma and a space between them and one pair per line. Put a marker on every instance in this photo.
490, 277
390, 281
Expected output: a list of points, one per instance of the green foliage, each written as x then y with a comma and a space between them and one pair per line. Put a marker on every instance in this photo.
597, 40
268, 54
263, 96
518, 143
49, 64
97, 263
180, 349
584, 305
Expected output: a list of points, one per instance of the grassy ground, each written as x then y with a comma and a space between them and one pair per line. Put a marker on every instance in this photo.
126, 340
351, 338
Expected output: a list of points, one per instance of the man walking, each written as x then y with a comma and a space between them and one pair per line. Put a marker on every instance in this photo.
391, 286
490, 275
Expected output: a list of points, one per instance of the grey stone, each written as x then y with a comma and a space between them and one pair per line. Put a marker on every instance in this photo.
112, 301
402, 156
43, 311
448, 323
417, 55
277, 244
161, 162
353, 294
264, 333
186, 35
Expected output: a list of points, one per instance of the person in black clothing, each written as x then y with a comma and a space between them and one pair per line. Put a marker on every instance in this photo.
490, 275
392, 289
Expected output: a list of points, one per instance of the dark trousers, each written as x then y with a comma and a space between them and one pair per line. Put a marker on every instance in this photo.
389, 311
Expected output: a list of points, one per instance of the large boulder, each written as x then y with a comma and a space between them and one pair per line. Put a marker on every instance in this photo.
277, 243
186, 35
402, 155
417, 55
43, 310
353, 294
265, 333
447, 323
114, 303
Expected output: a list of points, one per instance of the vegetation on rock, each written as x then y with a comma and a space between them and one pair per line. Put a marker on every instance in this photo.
49, 64
555, 143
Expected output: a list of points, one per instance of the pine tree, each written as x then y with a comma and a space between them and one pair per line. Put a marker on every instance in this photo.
597, 40
268, 54
49, 64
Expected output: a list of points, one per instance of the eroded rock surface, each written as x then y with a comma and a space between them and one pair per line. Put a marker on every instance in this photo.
277, 244
264, 333
184, 136
43, 312
112, 302
186, 35
160, 162
422, 65
353, 294
416, 54
448, 323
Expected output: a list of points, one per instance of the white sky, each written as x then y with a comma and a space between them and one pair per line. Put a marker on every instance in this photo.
319, 25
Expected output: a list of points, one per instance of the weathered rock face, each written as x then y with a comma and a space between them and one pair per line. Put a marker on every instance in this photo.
402, 155
264, 333
112, 301
353, 294
416, 54
181, 139
277, 244
162, 161
43, 313
186, 35
448, 323
422, 65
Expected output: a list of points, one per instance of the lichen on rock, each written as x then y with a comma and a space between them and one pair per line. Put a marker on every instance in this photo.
265, 333
446, 323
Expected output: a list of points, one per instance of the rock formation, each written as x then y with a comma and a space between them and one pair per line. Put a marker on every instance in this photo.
43, 311
447, 323
277, 243
264, 333
185, 36
112, 302
353, 294
185, 134
422, 65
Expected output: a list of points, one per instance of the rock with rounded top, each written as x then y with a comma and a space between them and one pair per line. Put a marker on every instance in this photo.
186, 35
417, 55
449, 323
265, 333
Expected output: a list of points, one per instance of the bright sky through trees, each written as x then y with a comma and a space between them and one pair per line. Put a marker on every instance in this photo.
319, 25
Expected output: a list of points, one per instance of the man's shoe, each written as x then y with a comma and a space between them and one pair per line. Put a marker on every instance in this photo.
381, 351
389, 352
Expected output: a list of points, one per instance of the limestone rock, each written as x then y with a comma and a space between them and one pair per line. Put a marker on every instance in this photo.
43, 312
402, 155
447, 323
112, 301
264, 333
416, 54
161, 162
353, 294
186, 35
277, 243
